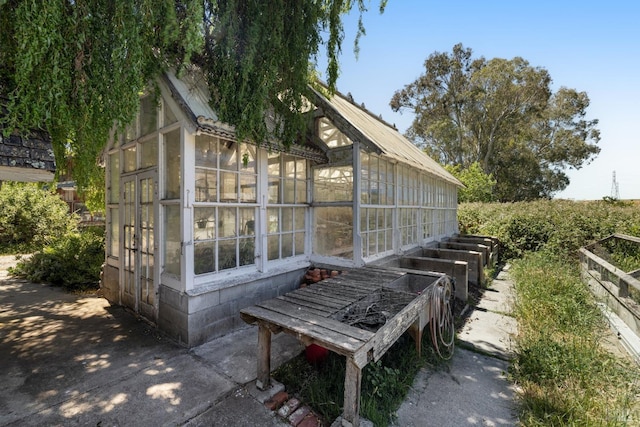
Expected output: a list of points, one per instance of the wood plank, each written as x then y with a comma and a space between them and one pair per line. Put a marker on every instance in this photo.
320, 302
355, 282
295, 306
342, 289
397, 325
329, 323
328, 338
264, 357
326, 295
352, 387
328, 311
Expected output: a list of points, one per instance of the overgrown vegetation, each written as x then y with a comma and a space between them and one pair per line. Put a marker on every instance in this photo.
31, 218
384, 383
565, 375
559, 226
35, 220
73, 261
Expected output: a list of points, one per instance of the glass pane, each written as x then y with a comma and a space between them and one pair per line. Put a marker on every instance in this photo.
206, 185
172, 240
247, 220
148, 115
227, 254
248, 188
390, 194
374, 193
373, 243
287, 219
299, 221
114, 178
364, 164
149, 153
172, 164
247, 251
301, 169
131, 131
273, 221
129, 159
299, 242
273, 167
227, 222
289, 191
228, 155
301, 191
169, 117
273, 247
204, 257
274, 190
287, 245
334, 231
333, 184
248, 158
289, 167
206, 151
331, 135
228, 187
204, 226
113, 246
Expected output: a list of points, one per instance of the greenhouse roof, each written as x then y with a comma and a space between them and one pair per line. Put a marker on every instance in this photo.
384, 138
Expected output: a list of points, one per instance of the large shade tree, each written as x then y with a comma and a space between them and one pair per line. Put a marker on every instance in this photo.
503, 115
77, 67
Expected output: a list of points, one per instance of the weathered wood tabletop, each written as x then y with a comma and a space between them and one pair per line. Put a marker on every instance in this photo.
311, 314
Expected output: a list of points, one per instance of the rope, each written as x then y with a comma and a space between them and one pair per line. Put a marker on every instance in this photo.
441, 322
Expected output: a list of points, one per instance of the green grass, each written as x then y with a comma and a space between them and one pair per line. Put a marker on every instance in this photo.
565, 375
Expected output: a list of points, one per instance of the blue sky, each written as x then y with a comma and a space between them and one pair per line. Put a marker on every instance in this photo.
585, 45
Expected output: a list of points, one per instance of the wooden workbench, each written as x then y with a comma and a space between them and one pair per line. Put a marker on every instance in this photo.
310, 314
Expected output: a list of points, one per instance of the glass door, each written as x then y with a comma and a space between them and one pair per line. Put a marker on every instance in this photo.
139, 285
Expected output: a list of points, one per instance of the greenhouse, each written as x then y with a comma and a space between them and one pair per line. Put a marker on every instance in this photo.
201, 225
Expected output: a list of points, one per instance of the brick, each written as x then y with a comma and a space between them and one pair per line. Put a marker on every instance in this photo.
277, 400
311, 420
288, 408
299, 415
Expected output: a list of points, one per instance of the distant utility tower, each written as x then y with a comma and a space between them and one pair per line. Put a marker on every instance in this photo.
615, 189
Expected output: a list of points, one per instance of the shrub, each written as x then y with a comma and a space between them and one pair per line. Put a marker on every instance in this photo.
74, 261
559, 226
31, 218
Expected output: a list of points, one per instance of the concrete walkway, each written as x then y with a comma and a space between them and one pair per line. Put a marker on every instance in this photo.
473, 391
75, 360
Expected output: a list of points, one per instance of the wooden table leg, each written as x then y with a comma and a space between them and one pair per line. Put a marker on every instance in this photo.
264, 357
352, 385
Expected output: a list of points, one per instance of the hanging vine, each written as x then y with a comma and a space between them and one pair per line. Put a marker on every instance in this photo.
76, 68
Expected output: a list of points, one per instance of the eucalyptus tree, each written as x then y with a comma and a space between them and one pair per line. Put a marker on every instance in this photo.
76, 67
503, 115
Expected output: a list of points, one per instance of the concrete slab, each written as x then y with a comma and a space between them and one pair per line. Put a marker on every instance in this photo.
235, 354
238, 409
472, 392
499, 297
489, 333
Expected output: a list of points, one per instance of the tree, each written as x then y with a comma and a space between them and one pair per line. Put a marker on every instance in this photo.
478, 186
502, 114
76, 68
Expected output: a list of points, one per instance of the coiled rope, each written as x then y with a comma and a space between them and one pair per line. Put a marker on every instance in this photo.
441, 323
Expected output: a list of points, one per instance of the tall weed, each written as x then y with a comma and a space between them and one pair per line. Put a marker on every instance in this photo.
565, 374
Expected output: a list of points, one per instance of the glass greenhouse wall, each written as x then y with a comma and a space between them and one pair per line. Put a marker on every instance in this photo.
200, 225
